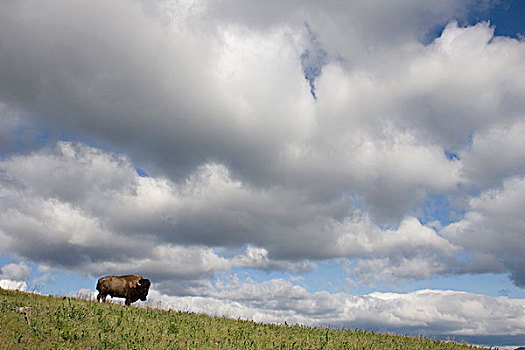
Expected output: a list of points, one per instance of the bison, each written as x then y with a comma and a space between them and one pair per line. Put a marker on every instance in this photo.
131, 287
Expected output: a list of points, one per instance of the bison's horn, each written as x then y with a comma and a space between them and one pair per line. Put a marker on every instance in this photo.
138, 283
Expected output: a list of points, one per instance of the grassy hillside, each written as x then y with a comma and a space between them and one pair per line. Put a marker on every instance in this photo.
30, 321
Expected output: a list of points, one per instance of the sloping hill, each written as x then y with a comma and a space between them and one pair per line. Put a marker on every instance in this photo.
31, 321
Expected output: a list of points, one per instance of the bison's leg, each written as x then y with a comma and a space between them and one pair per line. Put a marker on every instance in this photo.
127, 302
101, 296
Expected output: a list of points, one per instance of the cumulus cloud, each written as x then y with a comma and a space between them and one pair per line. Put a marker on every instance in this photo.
248, 126
463, 82
493, 227
14, 276
18, 272
495, 153
101, 215
430, 312
15, 285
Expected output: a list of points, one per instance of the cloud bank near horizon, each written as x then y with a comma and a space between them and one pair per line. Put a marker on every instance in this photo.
424, 312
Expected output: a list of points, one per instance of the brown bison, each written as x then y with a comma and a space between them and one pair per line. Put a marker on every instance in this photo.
131, 287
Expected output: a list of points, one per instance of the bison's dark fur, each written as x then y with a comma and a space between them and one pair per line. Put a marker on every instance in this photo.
131, 287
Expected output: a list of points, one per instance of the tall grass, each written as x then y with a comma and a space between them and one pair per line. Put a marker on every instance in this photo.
32, 321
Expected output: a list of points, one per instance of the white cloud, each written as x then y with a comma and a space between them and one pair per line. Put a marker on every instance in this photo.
257, 258
463, 82
431, 312
495, 153
15, 272
493, 227
15, 285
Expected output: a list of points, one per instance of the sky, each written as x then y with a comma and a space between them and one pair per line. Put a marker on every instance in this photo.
345, 164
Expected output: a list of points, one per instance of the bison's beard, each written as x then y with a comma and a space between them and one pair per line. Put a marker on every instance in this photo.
143, 294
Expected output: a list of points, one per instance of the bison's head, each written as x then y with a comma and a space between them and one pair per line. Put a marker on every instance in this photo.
142, 288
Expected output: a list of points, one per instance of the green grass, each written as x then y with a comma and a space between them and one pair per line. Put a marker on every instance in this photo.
31, 321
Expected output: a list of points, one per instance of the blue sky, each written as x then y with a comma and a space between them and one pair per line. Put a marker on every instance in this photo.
288, 161
507, 17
